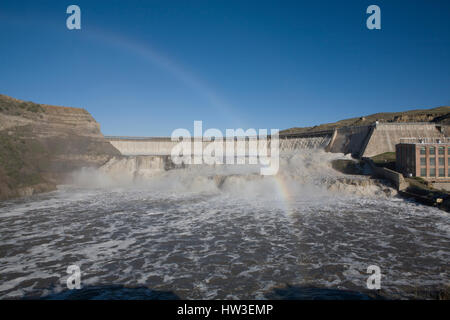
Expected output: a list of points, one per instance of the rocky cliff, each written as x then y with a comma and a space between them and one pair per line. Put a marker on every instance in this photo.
41, 144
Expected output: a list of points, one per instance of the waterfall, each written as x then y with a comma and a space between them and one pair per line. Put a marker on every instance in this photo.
134, 167
292, 144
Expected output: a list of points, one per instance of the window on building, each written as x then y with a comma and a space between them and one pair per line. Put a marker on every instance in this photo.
448, 173
432, 172
423, 161
441, 150
423, 172
433, 161
441, 161
441, 172
432, 150
423, 150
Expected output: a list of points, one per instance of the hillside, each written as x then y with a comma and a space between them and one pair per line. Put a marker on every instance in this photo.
438, 115
41, 144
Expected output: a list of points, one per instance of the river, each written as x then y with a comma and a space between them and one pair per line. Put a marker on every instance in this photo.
223, 232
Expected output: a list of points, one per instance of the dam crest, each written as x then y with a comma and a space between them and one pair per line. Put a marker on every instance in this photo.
359, 141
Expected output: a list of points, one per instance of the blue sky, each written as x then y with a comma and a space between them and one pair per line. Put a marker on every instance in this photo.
145, 68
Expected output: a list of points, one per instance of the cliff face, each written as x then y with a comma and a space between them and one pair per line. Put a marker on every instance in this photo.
41, 144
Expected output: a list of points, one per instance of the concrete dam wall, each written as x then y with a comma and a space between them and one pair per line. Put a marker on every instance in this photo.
385, 136
368, 141
359, 141
132, 146
350, 140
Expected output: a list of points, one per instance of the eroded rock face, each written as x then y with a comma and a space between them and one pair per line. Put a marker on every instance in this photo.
41, 144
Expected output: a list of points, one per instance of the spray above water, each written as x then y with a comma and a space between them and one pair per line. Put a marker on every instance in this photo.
303, 174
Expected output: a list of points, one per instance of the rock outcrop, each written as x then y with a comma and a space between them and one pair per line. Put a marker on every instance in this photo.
41, 144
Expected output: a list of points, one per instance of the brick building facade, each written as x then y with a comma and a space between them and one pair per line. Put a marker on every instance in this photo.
428, 160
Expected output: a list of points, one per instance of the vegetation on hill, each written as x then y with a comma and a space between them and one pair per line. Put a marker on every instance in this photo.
16, 107
21, 160
386, 160
41, 144
439, 115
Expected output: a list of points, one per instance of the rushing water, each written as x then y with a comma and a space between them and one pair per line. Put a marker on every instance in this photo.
223, 232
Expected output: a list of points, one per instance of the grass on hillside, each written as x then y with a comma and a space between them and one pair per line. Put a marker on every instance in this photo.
19, 158
439, 115
386, 160
17, 107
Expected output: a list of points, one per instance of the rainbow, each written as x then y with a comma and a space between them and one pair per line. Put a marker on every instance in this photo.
284, 193
141, 49
148, 53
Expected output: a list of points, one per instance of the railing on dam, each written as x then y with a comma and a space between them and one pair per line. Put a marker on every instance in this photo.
306, 134
137, 138
432, 140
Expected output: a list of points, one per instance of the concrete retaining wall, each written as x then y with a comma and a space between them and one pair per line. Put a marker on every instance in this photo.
442, 185
384, 173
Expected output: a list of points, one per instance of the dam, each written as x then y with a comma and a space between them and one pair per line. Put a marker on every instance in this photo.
162, 146
359, 141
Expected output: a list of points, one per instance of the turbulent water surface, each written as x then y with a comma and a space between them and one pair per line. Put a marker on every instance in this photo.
223, 232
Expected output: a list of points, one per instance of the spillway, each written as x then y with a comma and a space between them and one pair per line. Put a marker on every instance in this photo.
136, 229
132, 146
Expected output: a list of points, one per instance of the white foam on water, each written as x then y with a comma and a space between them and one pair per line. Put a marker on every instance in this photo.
222, 232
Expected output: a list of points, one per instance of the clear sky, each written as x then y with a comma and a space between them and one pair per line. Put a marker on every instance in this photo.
145, 68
